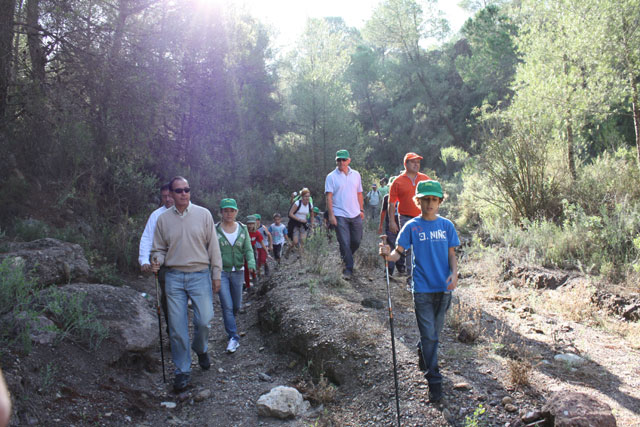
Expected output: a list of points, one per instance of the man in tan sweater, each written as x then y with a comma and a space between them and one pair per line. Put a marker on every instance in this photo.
186, 243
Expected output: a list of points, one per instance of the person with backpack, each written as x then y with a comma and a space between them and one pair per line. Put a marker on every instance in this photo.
235, 247
373, 201
301, 216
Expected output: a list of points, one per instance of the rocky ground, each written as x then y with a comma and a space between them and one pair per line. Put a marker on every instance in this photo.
306, 327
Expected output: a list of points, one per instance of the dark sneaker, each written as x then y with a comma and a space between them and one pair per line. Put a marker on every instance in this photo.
435, 393
347, 274
203, 360
180, 382
401, 270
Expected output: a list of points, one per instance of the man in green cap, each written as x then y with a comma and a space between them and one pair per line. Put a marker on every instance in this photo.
345, 204
435, 274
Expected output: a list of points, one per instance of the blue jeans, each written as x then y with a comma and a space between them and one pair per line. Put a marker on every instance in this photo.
181, 286
349, 235
430, 312
231, 300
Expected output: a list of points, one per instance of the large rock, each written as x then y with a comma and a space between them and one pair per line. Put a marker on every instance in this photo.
49, 261
572, 409
282, 402
130, 319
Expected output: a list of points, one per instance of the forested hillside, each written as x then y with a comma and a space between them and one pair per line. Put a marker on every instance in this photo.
529, 115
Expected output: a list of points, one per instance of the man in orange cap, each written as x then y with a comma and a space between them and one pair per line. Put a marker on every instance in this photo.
402, 191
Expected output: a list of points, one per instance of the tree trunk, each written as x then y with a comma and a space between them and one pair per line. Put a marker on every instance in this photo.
34, 42
7, 8
636, 115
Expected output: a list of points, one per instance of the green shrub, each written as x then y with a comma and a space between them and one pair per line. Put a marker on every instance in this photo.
75, 319
30, 229
16, 290
316, 249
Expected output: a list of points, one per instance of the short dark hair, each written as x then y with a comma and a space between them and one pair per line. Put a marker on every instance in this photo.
165, 187
176, 178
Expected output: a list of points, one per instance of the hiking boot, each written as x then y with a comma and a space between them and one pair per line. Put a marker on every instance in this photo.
203, 360
233, 345
435, 393
401, 270
347, 274
180, 382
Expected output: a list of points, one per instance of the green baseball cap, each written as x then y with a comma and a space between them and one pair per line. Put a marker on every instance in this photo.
251, 219
257, 216
228, 203
429, 188
316, 209
342, 154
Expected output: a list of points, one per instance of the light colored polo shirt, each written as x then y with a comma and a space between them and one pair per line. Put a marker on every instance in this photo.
345, 189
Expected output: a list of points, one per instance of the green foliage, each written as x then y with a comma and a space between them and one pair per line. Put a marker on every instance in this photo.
25, 300
475, 420
75, 319
316, 249
30, 229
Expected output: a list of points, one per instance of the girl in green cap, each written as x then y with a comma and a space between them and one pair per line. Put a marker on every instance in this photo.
235, 247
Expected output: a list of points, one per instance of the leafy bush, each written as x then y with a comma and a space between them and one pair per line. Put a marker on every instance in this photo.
23, 298
30, 229
75, 319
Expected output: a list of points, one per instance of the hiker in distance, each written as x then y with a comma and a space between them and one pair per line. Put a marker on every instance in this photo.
343, 188
435, 274
373, 201
146, 242
301, 217
235, 247
186, 243
401, 192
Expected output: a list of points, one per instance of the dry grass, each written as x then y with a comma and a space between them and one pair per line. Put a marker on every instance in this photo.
322, 392
519, 372
465, 320
573, 303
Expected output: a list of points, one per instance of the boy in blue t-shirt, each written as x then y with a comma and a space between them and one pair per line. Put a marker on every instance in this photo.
435, 274
279, 233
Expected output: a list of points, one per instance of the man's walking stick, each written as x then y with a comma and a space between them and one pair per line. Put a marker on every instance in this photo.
164, 378
393, 340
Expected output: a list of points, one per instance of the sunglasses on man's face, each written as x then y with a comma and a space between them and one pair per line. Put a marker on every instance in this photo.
341, 160
181, 190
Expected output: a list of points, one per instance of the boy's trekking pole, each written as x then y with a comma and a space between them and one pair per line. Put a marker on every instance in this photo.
164, 378
393, 340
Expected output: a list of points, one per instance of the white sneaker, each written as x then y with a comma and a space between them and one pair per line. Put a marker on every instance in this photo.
233, 345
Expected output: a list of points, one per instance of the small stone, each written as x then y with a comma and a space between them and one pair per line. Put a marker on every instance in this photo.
570, 358
221, 370
507, 400
242, 334
202, 395
261, 349
510, 408
168, 405
461, 386
127, 418
531, 416
264, 377
183, 396
446, 414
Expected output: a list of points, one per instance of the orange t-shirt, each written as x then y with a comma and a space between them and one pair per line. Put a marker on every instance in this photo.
402, 190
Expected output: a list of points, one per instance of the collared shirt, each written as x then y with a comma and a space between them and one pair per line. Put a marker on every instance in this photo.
146, 241
402, 191
345, 189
